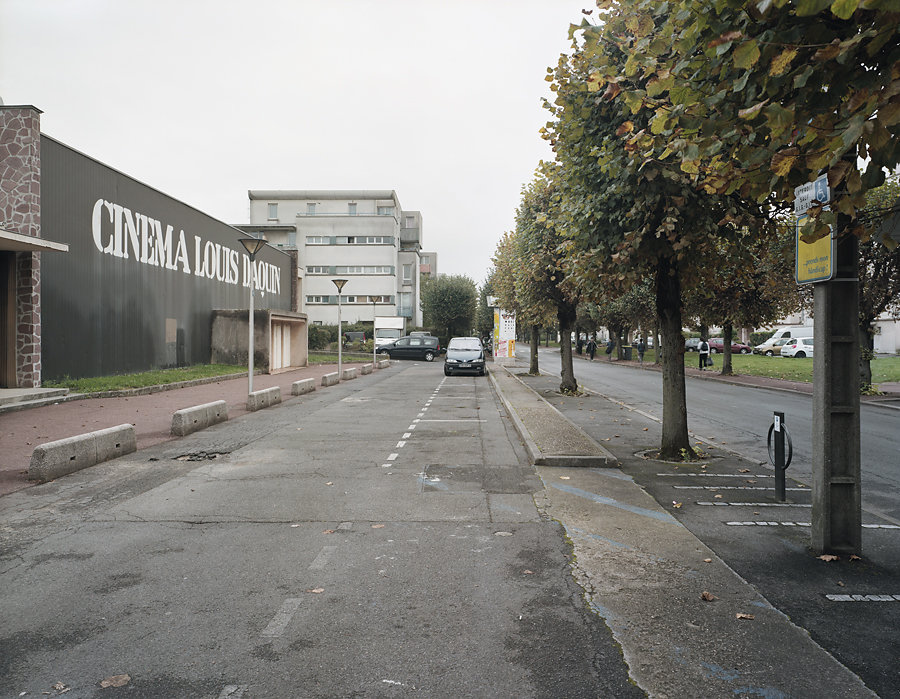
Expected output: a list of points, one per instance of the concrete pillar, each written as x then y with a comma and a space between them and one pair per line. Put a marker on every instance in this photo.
836, 501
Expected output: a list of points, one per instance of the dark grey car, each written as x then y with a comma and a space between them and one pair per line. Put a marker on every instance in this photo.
425, 347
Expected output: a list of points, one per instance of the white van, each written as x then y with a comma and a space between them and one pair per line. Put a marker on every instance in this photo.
784, 331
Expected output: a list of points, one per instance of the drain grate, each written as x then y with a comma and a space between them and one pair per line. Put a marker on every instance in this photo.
201, 456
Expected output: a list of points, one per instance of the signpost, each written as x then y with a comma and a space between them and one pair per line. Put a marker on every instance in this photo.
832, 265
814, 262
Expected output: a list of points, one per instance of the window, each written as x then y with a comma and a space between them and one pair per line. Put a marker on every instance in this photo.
410, 222
385, 210
273, 212
317, 240
310, 209
316, 299
318, 269
351, 209
407, 274
426, 260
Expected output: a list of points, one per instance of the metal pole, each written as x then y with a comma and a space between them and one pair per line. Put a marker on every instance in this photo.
374, 313
340, 335
250, 334
779, 457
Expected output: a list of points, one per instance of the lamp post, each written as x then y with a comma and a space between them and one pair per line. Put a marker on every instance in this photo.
253, 247
374, 300
339, 283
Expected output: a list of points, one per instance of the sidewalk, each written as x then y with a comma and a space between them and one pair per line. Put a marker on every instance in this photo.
645, 574
151, 415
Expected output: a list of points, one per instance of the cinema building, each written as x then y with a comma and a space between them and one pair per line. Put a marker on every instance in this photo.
101, 274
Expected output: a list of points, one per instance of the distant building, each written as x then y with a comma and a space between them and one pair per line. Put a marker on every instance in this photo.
364, 236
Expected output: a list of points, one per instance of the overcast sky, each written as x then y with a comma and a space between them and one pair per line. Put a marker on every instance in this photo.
440, 101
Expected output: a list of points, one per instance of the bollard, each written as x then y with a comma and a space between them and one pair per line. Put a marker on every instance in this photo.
777, 454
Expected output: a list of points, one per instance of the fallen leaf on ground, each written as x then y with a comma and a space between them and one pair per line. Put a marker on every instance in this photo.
502, 533
828, 558
646, 428
317, 590
565, 478
328, 531
676, 505
750, 480
377, 526
741, 615
708, 596
59, 685
744, 470
718, 496
329, 483
840, 584
116, 681
528, 572
854, 557
707, 560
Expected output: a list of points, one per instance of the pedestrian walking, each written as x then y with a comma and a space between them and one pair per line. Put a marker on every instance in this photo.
610, 346
591, 348
641, 348
703, 352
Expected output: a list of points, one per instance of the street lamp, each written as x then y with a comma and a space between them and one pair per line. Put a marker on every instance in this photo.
339, 283
374, 300
253, 246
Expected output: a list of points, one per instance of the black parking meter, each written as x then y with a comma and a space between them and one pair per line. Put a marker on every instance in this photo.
777, 455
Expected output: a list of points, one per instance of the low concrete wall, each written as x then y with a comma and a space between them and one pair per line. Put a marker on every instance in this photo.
199, 417
367, 369
331, 379
383, 363
348, 374
55, 459
264, 398
299, 388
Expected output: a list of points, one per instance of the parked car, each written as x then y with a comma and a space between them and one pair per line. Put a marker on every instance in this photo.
425, 347
691, 344
717, 344
771, 347
798, 347
464, 354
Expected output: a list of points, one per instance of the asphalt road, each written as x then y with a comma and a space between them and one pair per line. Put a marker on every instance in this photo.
379, 539
738, 418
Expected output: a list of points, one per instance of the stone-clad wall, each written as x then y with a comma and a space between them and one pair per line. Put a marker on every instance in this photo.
20, 212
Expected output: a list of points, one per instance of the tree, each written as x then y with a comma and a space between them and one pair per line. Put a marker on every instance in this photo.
484, 317
449, 304
879, 273
541, 277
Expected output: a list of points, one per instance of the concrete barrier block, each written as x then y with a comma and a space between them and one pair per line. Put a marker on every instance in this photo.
366, 369
264, 398
64, 456
302, 387
383, 363
348, 374
331, 379
198, 417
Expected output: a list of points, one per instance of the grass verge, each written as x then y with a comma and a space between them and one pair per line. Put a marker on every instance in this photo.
147, 378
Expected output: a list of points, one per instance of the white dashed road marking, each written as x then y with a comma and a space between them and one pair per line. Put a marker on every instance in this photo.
282, 618
863, 598
320, 561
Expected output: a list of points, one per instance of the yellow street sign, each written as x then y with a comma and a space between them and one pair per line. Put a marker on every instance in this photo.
814, 261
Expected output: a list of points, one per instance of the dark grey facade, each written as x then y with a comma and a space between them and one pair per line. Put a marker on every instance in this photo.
143, 275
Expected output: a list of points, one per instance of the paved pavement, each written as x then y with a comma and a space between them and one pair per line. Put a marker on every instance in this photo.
688, 624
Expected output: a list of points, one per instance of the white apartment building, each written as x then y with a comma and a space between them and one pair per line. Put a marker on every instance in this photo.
363, 236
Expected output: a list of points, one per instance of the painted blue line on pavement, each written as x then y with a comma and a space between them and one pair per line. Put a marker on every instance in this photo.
600, 499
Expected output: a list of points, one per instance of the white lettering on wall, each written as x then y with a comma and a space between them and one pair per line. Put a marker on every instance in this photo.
119, 232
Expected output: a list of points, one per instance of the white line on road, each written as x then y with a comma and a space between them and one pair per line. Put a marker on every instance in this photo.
320, 561
718, 475
406, 435
400, 445
753, 504
733, 487
464, 419
392, 457
282, 618
863, 598
232, 691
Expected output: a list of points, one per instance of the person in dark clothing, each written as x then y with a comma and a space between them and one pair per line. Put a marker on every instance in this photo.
610, 346
641, 348
591, 348
703, 352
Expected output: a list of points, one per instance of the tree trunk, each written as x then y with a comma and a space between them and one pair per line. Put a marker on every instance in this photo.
675, 443
535, 343
728, 333
565, 314
866, 352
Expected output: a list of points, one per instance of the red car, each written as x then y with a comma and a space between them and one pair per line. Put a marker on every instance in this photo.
717, 344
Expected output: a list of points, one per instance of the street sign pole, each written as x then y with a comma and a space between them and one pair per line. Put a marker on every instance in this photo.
836, 501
